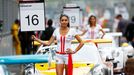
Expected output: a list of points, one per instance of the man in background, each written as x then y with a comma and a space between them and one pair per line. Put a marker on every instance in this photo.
121, 28
129, 33
14, 32
48, 31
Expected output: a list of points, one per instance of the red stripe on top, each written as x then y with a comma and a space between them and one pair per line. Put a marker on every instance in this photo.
64, 44
92, 34
61, 43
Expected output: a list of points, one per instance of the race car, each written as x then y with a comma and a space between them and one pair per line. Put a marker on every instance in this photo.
86, 61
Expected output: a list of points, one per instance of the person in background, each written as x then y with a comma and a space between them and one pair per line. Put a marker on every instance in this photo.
122, 25
92, 30
121, 28
64, 35
129, 33
116, 21
46, 35
14, 32
26, 41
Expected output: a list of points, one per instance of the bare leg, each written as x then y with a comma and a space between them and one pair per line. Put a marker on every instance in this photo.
59, 69
66, 69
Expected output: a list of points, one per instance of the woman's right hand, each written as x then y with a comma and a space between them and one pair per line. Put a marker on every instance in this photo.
70, 51
38, 40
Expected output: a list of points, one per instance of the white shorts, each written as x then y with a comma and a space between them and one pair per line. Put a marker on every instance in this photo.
61, 58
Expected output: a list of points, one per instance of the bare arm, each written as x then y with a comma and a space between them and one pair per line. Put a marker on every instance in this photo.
81, 43
83, 32
44, 42
103, 33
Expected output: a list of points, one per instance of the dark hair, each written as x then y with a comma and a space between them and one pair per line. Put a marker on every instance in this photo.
17, 21
63, 15
90, 18
49, 22
118, 16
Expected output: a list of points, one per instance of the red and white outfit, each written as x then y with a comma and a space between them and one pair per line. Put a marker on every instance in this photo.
63, 43
92, 33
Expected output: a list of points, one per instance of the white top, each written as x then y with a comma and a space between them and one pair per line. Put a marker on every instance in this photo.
64, 42
92, 33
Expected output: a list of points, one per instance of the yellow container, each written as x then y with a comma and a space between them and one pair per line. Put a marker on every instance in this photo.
45, 69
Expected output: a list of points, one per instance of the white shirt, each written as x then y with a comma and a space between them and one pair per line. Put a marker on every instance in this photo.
64, 42
92, 33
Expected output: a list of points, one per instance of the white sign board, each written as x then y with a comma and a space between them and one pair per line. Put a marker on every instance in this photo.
120, 8
32, 16
73, 14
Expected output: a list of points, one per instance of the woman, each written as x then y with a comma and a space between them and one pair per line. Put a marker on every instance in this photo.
63, 35
92, 30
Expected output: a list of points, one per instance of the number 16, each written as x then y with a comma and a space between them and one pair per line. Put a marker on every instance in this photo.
34, 20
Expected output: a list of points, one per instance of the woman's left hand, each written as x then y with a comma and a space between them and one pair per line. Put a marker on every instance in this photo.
70, 51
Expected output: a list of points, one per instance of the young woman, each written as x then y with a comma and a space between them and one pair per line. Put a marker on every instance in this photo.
92, 29
64, 35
